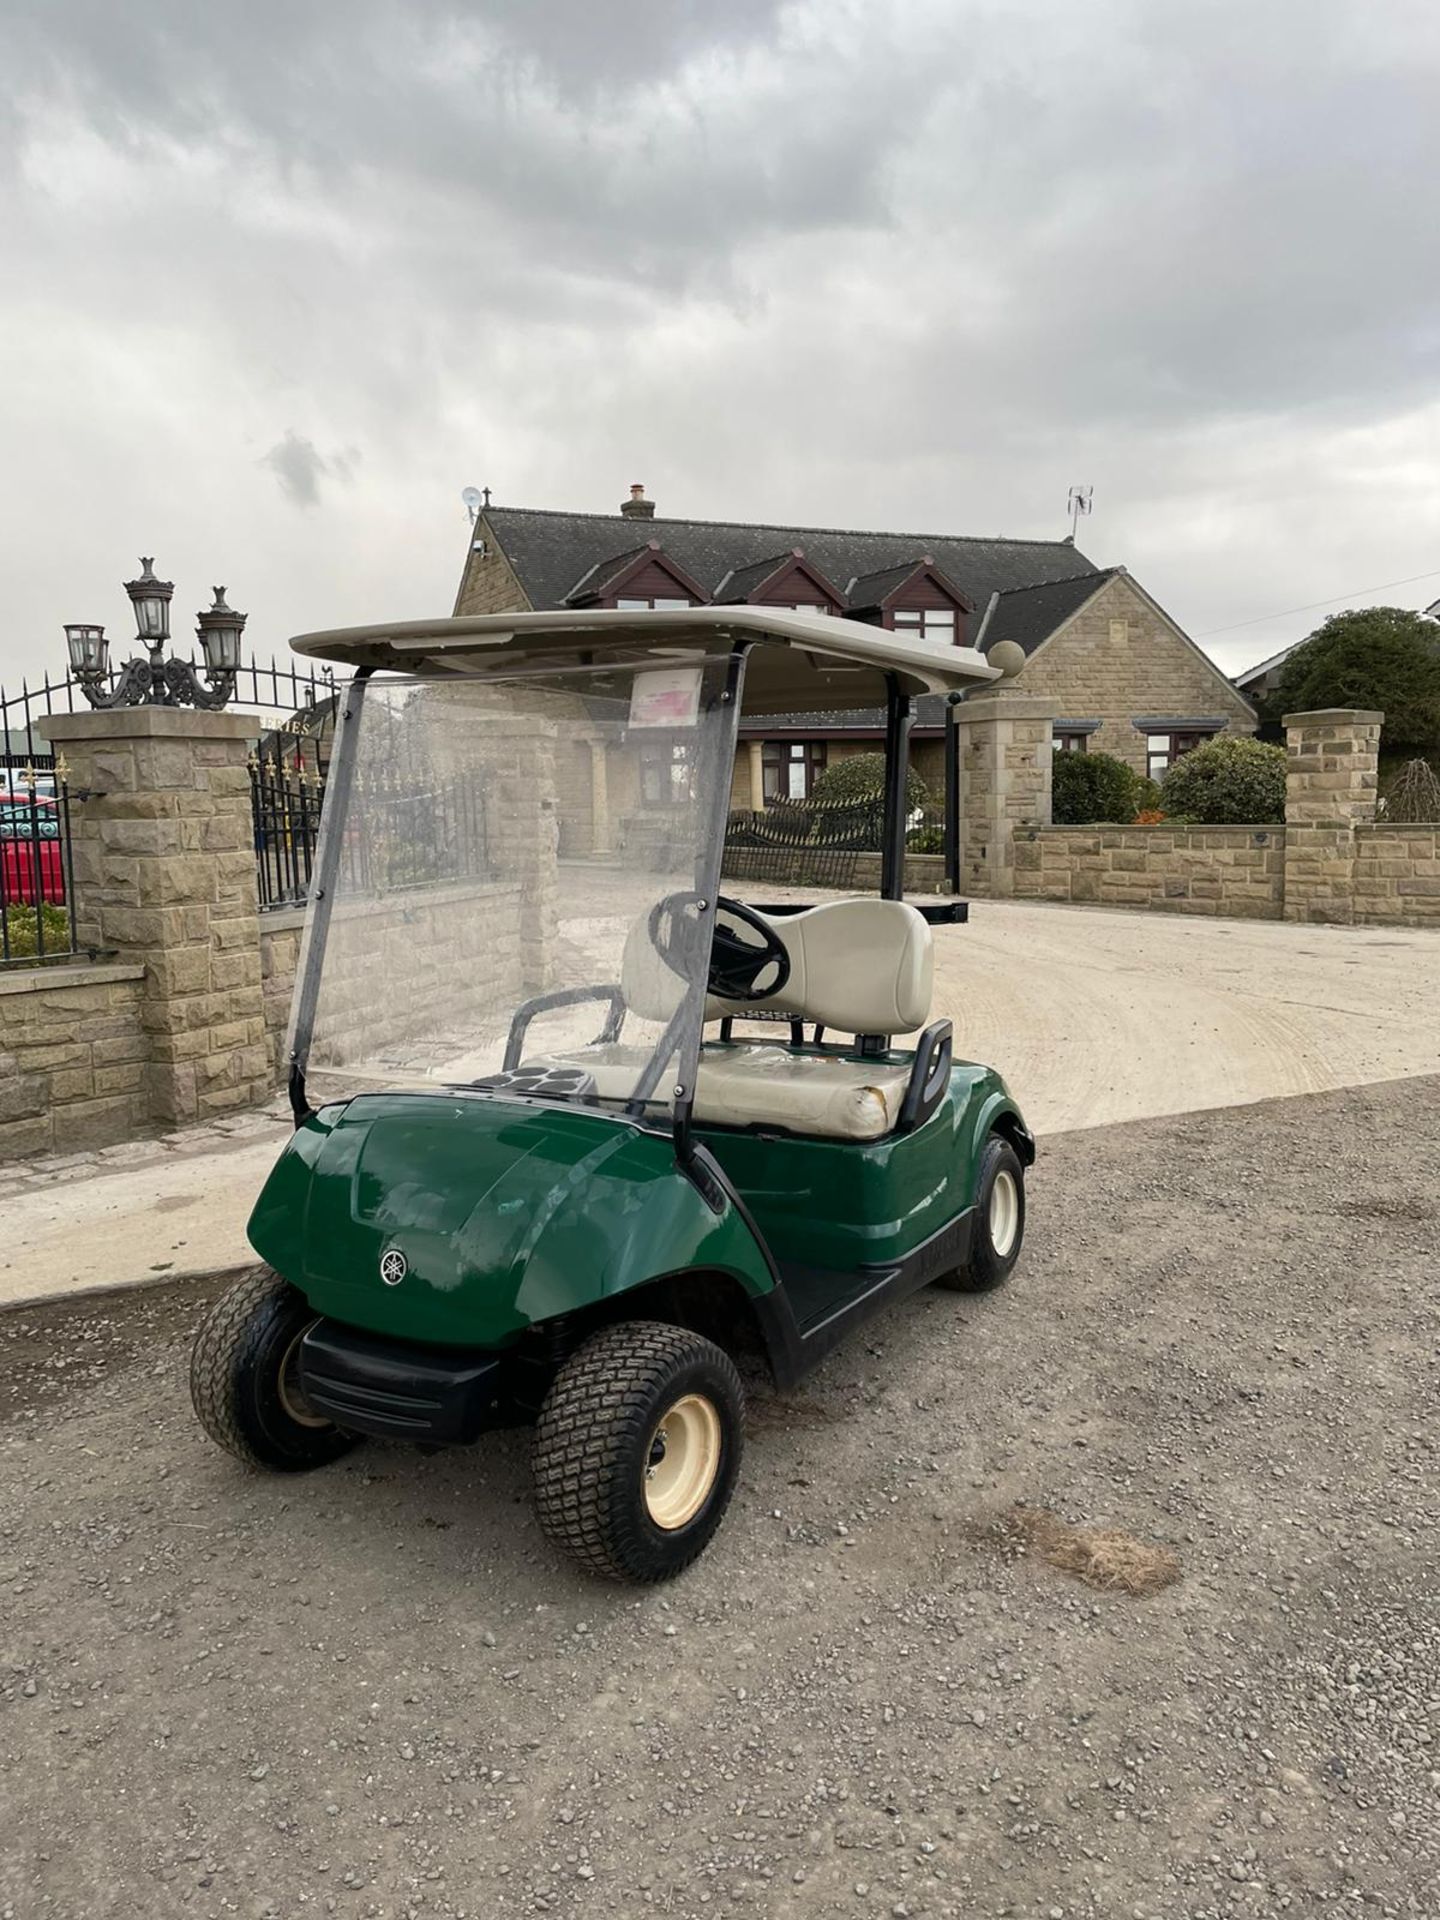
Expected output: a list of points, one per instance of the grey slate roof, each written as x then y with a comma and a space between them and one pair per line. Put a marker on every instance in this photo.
550, 552
1031, 614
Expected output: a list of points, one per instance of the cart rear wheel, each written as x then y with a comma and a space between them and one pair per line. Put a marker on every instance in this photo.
245, 1379
637, 1449
999, 1221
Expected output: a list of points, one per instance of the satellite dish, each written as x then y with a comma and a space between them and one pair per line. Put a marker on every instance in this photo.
471, 497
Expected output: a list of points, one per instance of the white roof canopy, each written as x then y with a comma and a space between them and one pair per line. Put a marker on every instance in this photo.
803, 662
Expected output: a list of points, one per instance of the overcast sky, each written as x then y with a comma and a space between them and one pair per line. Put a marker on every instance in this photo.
281, 277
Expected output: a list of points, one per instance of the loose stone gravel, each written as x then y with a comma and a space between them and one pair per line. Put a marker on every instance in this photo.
374, 1692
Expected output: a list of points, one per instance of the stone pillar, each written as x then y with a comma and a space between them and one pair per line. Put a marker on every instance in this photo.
1005, 759
599, 799
1331, 779
165, 877
756, 752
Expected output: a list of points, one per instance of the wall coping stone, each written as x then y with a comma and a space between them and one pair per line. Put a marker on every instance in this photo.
1158, 826
150, 723
1334, 717
998, 703
43, 979
281, 920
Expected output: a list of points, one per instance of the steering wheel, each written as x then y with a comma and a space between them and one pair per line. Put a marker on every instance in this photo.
736, 964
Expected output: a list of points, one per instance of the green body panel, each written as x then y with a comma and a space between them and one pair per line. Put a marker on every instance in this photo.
846, 1204
506, 1214
509, 1215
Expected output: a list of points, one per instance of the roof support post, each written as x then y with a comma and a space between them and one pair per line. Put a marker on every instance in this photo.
898, 717
952, 797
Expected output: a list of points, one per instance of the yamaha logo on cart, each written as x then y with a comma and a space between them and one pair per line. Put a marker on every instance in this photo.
393, 1266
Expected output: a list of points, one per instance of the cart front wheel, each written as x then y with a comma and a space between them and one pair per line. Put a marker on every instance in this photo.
245, 1378
637, 1449
999, 1221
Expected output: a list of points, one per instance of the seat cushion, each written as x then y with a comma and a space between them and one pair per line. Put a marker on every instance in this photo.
760, 1085
746, 1086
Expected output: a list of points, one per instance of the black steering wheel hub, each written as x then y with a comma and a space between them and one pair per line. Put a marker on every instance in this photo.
748, 959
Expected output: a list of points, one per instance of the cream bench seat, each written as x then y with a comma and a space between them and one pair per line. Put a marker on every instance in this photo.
861, 966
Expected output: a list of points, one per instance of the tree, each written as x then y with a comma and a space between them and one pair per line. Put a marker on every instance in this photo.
1089, 787
1232, 781
860, 777
1386, 659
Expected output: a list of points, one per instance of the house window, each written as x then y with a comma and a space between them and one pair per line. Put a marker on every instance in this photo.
1068, 742
790, 768
1162, 750
932, 623
805, 606
657, 603
665, 774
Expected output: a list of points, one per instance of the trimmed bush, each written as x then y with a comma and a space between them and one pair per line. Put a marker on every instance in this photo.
1227, 783
1090, 787
20, 925
860, 777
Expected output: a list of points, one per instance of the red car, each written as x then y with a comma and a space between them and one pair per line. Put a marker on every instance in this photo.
31, 856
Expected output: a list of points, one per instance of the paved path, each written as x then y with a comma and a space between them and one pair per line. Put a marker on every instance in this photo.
1093, 1016
1096, 1016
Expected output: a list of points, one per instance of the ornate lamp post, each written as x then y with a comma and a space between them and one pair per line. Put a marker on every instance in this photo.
155, 681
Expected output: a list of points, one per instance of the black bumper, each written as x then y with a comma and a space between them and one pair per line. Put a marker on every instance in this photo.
399, 1390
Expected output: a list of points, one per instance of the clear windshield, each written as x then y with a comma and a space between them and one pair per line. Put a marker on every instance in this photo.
511, 875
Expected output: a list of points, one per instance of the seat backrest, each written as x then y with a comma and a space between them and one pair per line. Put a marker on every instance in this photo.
857, 966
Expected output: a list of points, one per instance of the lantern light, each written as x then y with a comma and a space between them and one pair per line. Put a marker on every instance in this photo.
89, 649
151, 600
218, 630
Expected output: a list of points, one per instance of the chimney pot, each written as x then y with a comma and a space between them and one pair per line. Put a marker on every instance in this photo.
637, 507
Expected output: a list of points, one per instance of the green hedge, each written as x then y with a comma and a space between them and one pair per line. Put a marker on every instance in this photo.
861, 776
1091, 787
20, 926
1227, 782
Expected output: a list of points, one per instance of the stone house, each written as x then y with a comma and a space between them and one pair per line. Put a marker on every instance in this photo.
1125, 678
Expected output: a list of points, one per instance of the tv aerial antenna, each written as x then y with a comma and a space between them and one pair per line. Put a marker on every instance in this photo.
1079, 507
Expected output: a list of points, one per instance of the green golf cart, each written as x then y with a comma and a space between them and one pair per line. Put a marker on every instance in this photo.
574, 1127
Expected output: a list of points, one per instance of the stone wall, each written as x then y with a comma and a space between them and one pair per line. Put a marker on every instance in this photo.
1397, 876
1120, 659
489, 584
72, 1058
280, 936
164, 863
1234, 871
417, 965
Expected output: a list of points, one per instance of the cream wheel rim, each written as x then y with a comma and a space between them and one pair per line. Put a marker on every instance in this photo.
292, 1397
1004, 1213
683, 1461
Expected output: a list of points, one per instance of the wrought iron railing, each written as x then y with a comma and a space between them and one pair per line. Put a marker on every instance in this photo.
818, 843
287, 690
415, 833
287, 787
37, 881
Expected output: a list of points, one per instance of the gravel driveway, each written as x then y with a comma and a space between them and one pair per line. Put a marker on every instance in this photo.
374, 1692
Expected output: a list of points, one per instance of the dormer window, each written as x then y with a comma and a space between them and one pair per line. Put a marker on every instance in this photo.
643, 580
783, 580
914, 597
932, 623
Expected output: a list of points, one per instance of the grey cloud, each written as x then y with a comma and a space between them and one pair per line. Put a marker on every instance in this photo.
299, 466
894, 261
